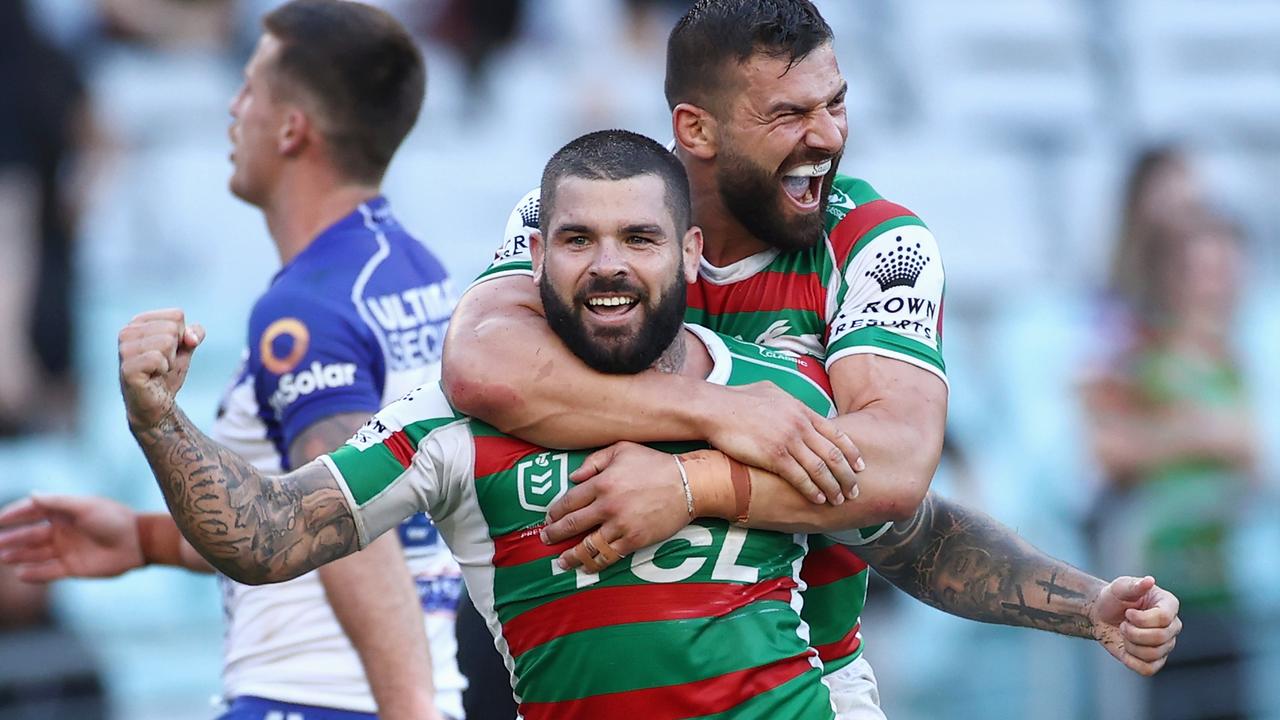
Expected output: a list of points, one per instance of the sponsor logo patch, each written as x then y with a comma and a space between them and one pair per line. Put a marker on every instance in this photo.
318, 377
283, 345
898, 267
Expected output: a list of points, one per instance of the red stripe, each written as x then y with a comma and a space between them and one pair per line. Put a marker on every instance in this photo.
602, 607
762, 292
495, 454
400, 447
522, 546
850, 230
828, 565
812, 369
695, 699
844, 647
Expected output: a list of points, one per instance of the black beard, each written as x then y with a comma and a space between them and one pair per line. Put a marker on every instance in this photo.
751, 195
611, 352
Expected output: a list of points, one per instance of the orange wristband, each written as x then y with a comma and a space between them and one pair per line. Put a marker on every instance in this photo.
740, 476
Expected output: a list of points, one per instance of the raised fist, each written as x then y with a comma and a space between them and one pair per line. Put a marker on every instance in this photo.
155, 353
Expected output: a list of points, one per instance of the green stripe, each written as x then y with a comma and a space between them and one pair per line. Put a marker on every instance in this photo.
502, 266
370, 471
366, 472
887, 339
795, 385
832, 610
801, 698
810, 261
656, 654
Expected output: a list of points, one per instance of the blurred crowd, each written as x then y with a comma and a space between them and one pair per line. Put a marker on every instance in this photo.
1100, 176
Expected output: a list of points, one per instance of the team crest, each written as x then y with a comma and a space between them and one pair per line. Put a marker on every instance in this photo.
541, 479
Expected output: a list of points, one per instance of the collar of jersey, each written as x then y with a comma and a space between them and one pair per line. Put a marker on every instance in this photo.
370, 215
734, 272
721, 360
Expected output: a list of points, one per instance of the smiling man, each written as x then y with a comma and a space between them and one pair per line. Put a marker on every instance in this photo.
796, 257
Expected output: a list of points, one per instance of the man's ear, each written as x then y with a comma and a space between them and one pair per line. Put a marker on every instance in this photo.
696, 131
692, 253
536, 253
294, 132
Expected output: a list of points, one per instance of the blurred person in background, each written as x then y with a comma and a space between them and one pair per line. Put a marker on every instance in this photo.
1173, 432
1163, 192
46, 672
355, 318
45, 127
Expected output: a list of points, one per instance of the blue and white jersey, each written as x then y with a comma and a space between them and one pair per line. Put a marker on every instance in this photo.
354, 321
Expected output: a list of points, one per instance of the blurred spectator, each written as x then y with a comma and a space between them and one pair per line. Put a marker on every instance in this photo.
46, 673
43, 127
476, 31
1174, 436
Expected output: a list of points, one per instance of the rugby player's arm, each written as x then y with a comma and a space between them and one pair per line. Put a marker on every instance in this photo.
897, 414
374, 598
504, 365
965, 563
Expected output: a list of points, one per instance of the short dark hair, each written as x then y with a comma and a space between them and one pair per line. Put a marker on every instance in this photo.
714, 32
617, 155
363, 70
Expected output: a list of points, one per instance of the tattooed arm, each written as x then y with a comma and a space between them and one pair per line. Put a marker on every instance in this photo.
964, 563
253, 528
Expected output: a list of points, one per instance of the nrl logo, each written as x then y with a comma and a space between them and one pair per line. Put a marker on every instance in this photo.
541, 479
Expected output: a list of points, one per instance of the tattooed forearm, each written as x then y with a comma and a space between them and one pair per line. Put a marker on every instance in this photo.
963, 562
253, 528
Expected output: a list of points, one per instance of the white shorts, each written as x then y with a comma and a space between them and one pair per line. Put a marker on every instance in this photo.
854, 692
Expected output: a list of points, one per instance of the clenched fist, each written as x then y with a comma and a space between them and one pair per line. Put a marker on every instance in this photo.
155, 353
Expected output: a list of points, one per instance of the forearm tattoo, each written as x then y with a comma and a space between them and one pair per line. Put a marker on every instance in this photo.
964, 563
253, 528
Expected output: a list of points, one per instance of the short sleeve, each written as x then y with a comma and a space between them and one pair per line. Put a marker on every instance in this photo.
310, 360
512, 257
397, 466
890, 299
860, 536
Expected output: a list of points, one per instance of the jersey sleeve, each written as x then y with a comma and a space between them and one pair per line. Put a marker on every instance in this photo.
402, 462
311, 360
512, 257
889, 298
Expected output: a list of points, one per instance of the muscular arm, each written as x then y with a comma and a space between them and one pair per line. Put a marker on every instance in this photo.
897, 414
253, 528
504, 365
967, 564
374, 598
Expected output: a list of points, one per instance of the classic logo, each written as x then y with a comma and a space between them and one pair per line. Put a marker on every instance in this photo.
899, 267
541, 479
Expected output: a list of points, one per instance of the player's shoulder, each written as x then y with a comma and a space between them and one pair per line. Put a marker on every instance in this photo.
739, 362
416, 414
856, 213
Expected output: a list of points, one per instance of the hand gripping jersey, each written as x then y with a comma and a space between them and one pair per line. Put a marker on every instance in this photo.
351, 323
874, 285
705, 623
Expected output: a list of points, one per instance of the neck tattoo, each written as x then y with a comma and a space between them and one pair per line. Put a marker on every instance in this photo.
672, 359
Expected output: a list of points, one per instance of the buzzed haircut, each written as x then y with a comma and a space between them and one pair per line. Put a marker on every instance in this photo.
617, 155
715, 33
362, 70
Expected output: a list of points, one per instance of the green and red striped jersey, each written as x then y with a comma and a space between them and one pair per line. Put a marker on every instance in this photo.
705, 624
873, 286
